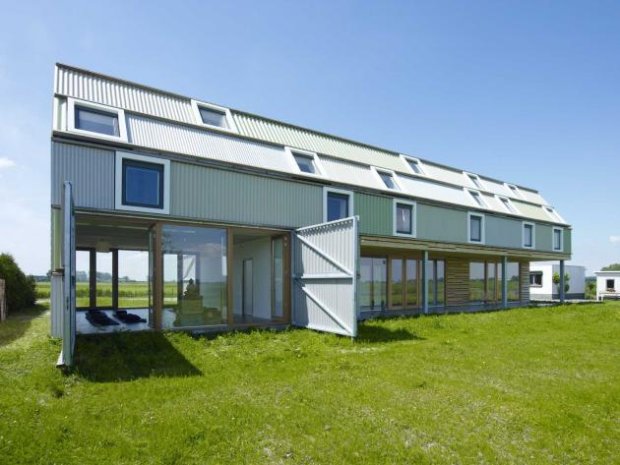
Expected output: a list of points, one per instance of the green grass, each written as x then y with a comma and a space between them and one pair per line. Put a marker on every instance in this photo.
526, 386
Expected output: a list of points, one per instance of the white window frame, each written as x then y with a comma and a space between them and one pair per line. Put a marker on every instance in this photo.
523, 225
118, 183
119, 112
469, 177
561, 249
377, 173
414, 214
514, 191
320, 171
407, 158
327, 190
196, 105
514, 211
541, 274
482, 228
472, 193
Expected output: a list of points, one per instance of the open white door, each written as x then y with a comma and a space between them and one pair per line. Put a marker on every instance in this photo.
68, 260
325, 263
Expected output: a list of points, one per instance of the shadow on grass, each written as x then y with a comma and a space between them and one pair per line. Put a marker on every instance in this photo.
378, 334
129, 356
17, 323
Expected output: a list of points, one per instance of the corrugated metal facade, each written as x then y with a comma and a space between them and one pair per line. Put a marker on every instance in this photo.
325, 262
441, 224
134, 98
90, 170
376, 214
218, 195
503, 232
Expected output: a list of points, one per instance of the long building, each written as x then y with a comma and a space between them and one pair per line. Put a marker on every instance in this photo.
237, 220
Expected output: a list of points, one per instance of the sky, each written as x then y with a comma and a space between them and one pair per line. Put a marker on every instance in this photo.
526, 92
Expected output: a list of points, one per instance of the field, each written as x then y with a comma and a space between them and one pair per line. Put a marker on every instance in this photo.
525, 386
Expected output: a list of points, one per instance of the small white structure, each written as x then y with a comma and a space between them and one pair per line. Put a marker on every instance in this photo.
543, 288
607, 285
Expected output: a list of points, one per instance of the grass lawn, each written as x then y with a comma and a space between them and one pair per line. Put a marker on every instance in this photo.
525, 386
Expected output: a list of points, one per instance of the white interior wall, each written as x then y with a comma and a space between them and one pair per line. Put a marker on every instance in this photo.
259, 250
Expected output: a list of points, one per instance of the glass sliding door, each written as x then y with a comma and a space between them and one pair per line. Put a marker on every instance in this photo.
194, 276
397, 288
403, 283
436, 282
373, 283
411, 291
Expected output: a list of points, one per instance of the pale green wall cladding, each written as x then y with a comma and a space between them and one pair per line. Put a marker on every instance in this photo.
503, 232
207, 193
375, 214
441, 224
544, 237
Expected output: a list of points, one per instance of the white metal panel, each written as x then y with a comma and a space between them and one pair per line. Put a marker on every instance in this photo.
425, 189
116, 93
68, 331
325, 263
56, 304
206, 144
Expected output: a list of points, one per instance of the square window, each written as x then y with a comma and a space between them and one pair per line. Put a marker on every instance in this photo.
337, 206
557, 239
476, 228
536, 278
404, 218
101, 122
305, 163
528, 235
213, 117
143, 184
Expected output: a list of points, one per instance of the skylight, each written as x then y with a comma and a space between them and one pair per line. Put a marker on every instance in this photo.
477, 198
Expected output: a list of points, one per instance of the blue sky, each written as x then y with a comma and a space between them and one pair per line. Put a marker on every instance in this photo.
527, 92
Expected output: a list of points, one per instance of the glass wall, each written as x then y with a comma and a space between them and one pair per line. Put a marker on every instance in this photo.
373, 283
485, 282
404, 283
194, 275
104, 279
436, 282
512, 275
476, 282
82, 278
278, 278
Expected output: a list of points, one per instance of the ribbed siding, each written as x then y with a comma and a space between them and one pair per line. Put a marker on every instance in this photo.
524, 278
218, 195
441, 224
85, 86
335, 241
503, 232
90, 170
457, 281
376, 214
206, 144
56, 305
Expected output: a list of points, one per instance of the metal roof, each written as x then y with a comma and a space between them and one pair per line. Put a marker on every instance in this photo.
166, 121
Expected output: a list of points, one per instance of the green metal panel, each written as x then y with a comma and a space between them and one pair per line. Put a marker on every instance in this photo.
503, 232
544, 237
441, 224
568, 238
213, 194
375, 214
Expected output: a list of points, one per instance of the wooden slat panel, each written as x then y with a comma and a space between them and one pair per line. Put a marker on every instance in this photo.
524, 278
457, 281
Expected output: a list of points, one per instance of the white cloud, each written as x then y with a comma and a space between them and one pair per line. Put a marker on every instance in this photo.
614, 239
6, 163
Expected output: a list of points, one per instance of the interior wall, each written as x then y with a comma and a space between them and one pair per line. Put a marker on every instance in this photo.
259, 250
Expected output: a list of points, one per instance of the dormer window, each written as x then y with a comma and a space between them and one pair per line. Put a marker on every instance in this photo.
413, 164
388, 178
475, 180
515, 190
213, 116
475, 195
95, 120
305, 162
508, 205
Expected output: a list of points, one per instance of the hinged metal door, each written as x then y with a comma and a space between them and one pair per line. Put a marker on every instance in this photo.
325, 266
68, 259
